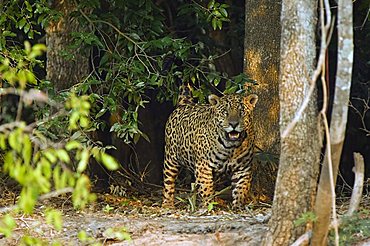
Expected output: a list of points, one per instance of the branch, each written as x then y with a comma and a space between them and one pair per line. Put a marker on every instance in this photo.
332, 183
136, 44
41, 198
362, 115
359, 171
336, 136
303, 240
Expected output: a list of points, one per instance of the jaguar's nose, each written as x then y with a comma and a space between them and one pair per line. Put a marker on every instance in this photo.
234, 124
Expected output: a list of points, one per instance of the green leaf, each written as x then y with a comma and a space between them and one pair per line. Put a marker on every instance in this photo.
31, 34
63, 155
50, 155
27, 199
223, 12
9, 34
219, 24
7, 225
2, 142
109, 162
81, 194
82, 236
27, 27
54, 217
101, 112
29, 240
28, 6
45, 167
22, 77
214, 23
305, 218
135, 36
211, 4
57, 178
211, 205
119, 233
73, 144
85, 155
216, 81
84, 122
216, 13
96, 153
21, 23
14, 140
27, 150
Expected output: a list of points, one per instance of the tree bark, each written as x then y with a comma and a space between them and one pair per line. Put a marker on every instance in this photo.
62, 72
300, 150
323, 206
261, 63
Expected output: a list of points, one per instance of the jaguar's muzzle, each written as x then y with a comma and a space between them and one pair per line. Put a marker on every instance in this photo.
235, 135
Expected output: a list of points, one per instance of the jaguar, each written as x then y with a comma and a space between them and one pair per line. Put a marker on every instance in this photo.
212, 138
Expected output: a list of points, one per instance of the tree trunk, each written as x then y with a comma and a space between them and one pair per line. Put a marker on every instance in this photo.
338, 122
62, 72
261, 63
300, 150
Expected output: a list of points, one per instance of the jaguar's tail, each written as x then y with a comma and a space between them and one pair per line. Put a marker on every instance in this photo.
185, 95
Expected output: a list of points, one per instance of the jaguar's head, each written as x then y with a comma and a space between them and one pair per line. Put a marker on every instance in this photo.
233, 113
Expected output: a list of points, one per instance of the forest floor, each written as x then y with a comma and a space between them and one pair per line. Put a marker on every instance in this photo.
117, 220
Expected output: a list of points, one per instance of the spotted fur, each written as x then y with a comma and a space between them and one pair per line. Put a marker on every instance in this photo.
211, 138
185, 96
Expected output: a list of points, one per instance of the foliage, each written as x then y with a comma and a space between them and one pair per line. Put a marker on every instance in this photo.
26, 16
136, 57
41, 166
107, 209
86, 239
7, 225
134, 60
354, 229
211, 206
215, 12
119, 233
305, 218
16, 66
135, 53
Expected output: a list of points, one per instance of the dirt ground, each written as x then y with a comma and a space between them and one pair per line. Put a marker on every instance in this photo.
141, 221
130, 220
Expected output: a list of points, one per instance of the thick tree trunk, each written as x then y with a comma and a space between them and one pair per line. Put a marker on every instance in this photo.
338, 122
300, 150
261, 63
62, 72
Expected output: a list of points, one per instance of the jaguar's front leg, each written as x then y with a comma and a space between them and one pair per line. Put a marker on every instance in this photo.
204, 181
171, 170
241, 183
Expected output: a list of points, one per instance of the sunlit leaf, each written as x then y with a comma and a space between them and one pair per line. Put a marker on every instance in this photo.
7, 225
27, 150
109, 162
73, 145
84, 159
54, 217
63, 155
51, 155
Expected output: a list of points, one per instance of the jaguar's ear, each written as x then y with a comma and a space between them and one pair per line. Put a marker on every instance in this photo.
213, 99
251, 100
